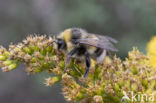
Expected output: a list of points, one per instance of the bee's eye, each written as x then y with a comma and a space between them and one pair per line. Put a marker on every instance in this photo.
61, 44
59, 41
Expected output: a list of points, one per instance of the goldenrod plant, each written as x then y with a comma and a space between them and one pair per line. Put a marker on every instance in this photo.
113, 81
151, 49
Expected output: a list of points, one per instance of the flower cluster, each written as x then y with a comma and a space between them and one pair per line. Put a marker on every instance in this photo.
105, 82
151, 49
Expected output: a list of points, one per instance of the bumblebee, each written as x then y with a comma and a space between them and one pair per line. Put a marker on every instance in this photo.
78, 43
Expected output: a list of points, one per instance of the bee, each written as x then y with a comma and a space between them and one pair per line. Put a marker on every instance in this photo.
78, 43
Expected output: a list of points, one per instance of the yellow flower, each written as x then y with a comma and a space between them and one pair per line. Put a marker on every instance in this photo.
151, 49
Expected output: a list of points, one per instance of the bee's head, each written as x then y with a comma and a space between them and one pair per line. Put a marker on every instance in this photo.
61, 44
63, 38
68, 37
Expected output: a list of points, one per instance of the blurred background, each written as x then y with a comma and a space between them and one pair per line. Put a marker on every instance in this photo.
131, 22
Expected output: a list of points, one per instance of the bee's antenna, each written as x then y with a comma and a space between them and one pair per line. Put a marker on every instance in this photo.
50, 44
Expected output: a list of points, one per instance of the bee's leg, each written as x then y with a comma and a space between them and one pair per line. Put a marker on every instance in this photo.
110, 55
71, 53
88, 64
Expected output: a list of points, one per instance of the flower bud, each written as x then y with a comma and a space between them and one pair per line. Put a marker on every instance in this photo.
52, 80
37, 69
7, 62
98, 99
135, 70
2, 57
145, 83
121, 83
12, 66
33, 60
61, 64
27, 50
6, 53
36, 48
80, 95
116, 87
134, 87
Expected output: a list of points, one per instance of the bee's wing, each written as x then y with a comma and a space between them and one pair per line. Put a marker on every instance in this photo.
104, 37
100, 43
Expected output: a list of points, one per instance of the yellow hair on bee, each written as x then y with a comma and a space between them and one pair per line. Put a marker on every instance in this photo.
70, 46
91, 49
67, 35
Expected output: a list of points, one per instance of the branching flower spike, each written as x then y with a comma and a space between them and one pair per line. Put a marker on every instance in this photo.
108, 82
